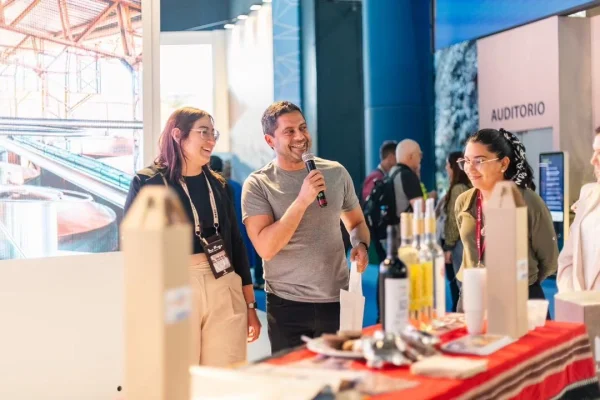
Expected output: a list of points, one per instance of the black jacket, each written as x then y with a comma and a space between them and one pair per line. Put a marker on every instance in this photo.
228, 228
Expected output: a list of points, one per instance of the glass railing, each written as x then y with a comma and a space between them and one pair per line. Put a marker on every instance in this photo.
103, 172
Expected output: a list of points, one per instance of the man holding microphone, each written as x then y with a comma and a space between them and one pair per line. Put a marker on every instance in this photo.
298, 237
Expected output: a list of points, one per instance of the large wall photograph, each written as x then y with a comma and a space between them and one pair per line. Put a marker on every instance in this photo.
456, 106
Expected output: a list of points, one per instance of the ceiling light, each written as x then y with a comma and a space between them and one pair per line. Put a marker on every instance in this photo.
255, 7
229, 26
266, 1
242, 17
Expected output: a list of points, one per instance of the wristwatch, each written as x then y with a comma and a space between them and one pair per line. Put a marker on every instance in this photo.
252, 305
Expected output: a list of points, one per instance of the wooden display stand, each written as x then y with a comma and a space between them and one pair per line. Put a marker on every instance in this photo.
156, 246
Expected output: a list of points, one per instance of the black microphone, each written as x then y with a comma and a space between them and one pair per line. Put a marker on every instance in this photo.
309, 161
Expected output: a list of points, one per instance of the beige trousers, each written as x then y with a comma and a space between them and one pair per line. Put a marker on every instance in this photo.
221, 317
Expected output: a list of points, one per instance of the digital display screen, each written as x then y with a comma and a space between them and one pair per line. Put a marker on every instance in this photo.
552, 184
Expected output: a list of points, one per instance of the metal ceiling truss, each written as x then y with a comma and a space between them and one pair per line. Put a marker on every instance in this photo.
86, 29
118, 17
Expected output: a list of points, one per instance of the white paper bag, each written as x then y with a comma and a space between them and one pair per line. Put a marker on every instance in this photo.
352, 302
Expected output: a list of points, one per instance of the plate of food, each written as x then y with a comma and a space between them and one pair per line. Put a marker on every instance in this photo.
341, 345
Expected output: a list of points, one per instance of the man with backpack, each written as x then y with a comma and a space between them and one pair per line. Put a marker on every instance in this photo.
387, 155
395, 193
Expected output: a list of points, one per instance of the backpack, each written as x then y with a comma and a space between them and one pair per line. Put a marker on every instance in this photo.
380, 206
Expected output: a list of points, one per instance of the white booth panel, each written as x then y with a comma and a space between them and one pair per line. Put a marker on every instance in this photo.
62, 327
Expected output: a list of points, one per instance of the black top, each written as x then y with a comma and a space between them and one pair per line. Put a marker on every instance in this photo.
228, 228
410, 182
199, 194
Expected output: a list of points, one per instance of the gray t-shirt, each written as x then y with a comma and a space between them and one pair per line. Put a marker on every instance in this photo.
312, 267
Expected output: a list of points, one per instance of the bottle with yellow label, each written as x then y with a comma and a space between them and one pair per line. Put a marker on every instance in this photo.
439, 265
425, 262
410, 257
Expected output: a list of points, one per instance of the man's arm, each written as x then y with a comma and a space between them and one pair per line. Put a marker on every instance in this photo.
355, 224
269, 236
354, 221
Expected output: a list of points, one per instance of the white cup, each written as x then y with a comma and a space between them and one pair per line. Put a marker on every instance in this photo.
537, 309
474, 301
474, 320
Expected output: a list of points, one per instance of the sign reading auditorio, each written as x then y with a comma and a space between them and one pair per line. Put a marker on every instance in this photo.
518, 111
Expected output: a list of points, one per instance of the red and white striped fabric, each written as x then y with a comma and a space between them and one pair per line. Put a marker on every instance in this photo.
552, 362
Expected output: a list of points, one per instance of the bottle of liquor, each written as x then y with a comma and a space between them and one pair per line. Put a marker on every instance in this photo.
417, 224
394, 287
410, 257
437, 254
426, 265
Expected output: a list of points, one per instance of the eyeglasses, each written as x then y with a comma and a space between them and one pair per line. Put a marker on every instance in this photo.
206, 134
476, 163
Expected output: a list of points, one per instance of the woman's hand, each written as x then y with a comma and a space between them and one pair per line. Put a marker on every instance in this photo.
253, 325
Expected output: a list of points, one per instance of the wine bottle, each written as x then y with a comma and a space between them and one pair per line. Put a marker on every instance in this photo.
395, 287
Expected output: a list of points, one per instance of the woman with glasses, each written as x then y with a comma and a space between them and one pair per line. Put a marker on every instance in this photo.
492, 156
225, 311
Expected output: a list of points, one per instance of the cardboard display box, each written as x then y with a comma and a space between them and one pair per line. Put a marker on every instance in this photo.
156, 244
506, 260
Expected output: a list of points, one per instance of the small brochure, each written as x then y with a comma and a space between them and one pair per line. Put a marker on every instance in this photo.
479, 345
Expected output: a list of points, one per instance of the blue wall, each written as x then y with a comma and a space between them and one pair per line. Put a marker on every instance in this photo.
460, 20
399, 78
333, 81
286, 50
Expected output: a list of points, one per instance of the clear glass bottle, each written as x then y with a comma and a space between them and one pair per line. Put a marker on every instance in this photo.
410, 257
438, 284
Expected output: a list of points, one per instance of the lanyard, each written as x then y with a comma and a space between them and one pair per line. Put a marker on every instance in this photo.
479, 234
213, 205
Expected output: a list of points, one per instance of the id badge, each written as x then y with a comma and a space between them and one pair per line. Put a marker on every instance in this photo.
217, 257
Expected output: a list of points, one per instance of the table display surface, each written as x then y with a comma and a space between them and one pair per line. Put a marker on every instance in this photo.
553, 361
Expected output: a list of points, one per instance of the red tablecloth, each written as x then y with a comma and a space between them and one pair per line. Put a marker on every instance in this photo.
549, 362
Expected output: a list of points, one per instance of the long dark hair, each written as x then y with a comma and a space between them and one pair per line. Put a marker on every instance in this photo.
458, 175
170, 155
507, 144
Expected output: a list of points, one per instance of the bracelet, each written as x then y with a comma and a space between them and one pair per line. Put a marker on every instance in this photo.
364, 244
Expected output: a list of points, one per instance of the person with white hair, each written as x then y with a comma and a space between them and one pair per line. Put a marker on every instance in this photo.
407, 183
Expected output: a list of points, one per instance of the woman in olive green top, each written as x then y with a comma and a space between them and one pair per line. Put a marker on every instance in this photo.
492, 156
